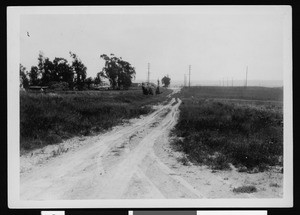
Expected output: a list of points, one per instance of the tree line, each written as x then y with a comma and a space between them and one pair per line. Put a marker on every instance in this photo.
59, 73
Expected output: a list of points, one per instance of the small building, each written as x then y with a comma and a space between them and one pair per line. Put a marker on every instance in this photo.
102, 86
136, 85
38, 88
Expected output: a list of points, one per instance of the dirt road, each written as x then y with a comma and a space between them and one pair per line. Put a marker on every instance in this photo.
134, 160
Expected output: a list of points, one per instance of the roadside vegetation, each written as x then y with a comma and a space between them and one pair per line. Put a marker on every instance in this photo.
58, 100
48, 118
217, 132
245, 189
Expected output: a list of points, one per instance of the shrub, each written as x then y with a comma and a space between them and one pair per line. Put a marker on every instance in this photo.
183, 160
59, 86
245, 189
274, 185
221, 163
53, 139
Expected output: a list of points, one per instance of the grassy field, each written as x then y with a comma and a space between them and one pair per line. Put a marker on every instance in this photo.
222, 125
49, 118
241, 93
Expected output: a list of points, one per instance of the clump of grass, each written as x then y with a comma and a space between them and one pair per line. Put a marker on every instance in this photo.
244, 135
220, 163
53, 139
274, 185
59, 151
242, 169
245, 189
183, 160
49, 118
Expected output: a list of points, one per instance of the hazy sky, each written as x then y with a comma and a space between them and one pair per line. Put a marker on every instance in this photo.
218, 44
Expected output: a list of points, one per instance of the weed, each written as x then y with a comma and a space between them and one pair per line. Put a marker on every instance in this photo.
165, 112
221, 163
274, 185
53, 139
245, 189
242, 169
183, 160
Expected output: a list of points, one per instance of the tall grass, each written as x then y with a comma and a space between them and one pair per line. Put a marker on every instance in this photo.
50, 118
216, 133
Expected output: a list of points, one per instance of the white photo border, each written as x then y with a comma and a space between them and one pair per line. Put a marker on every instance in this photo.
13, 60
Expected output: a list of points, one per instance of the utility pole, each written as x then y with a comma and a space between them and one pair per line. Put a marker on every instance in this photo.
190, 67
246, 75
148, 72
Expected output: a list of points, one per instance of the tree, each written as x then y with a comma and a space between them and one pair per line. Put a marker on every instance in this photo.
89, 81
80, 70
46, 70
33, 76
98, 80
119, 72
63, 72
41, 66
166, 81
49, 73
24, 81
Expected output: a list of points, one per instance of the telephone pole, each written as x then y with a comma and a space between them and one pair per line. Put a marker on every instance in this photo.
148, 72
190, 67
246, 75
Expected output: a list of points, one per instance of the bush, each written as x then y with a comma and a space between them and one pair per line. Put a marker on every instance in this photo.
183, 160
220, 163
53, 139
59, 86
245, 189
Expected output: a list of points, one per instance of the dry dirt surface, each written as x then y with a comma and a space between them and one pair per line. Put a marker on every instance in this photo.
132, 161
